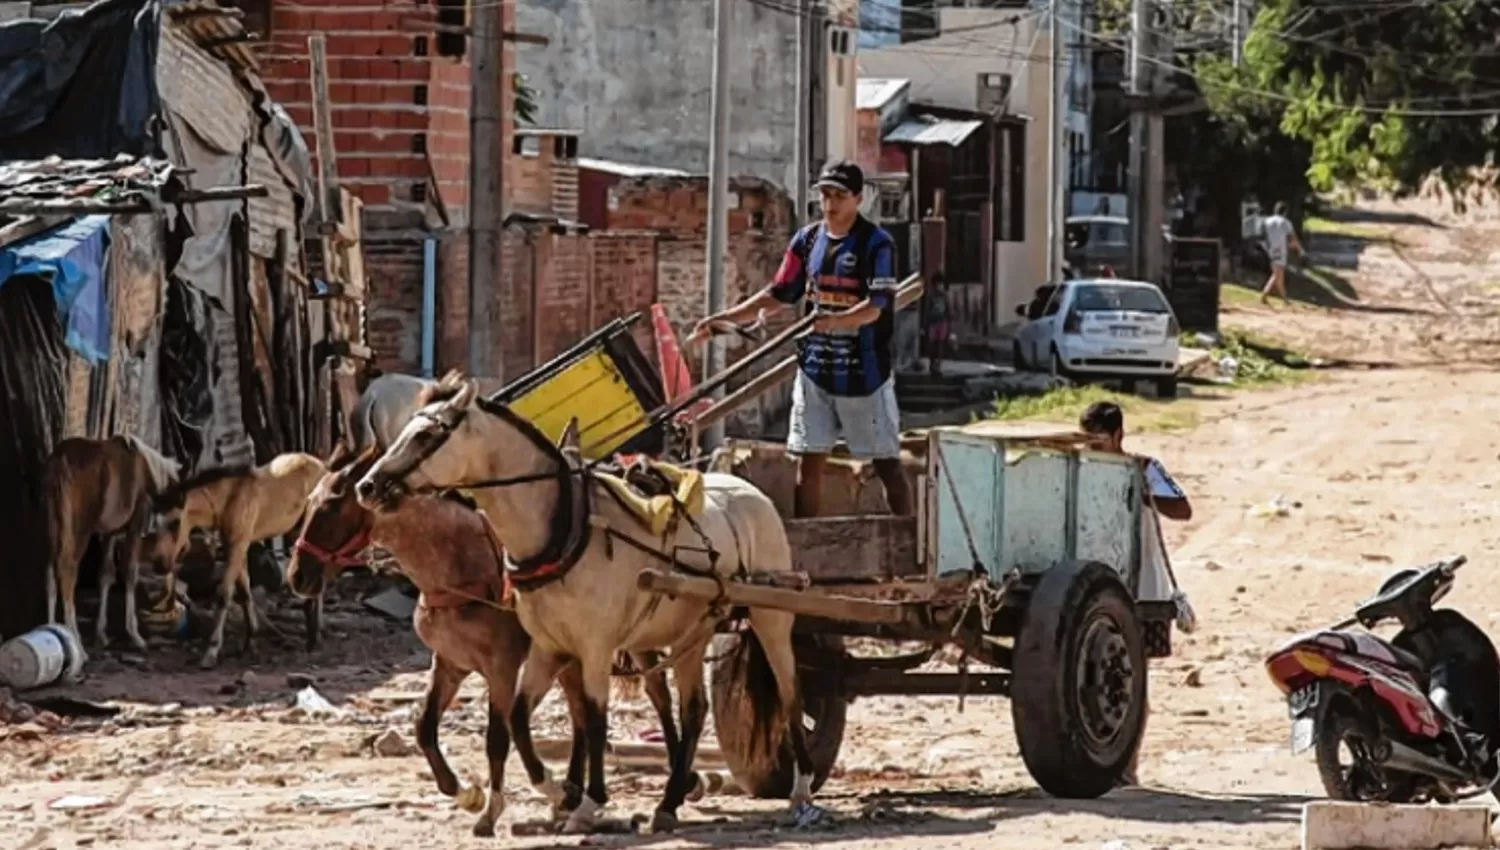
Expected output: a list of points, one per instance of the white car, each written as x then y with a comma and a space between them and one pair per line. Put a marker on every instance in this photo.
1100, 328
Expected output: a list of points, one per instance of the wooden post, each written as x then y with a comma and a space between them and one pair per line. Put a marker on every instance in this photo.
328, 172
320, 441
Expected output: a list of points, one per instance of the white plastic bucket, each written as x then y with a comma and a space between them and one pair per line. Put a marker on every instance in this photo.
40, 657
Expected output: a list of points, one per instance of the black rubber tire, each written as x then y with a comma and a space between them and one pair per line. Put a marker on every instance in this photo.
1017, 357
1166, 387
1333, 726
1070, 600
732, 720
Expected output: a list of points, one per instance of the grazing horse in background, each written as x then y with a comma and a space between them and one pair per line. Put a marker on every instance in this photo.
101, 487
444, 545
540, 499
244, 504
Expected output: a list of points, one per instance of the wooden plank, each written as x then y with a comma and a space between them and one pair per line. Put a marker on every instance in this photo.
27, 227
328, 172
809, 603
854, 548
909, 292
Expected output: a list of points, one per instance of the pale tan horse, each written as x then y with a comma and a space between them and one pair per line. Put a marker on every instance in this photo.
444, 545
576, 587
101, 487
245, 505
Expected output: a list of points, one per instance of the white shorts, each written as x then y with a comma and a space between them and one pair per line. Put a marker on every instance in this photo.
870, 424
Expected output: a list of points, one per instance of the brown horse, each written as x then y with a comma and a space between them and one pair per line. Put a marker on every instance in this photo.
244, 504
101, 487
445, 546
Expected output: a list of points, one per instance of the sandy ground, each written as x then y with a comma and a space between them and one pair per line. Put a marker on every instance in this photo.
1386, 465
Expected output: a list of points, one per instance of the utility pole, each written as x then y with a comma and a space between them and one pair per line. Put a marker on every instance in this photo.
718, 205
799, 126
1234, 33
1054, 171
486, 108
1146, 161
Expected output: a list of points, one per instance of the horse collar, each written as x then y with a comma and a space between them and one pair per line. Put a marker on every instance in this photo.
569, 534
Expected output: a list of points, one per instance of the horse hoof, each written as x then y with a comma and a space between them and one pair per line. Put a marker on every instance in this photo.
663, 822
470, 799
549, 789
581, 821
209, 661
448, 786
699, 789
805, 814
484, 828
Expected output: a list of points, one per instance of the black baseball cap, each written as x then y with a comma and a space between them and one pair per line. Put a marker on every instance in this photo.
842, 174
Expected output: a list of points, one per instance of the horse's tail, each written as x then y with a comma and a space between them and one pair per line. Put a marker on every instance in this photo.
748, 664
164, 471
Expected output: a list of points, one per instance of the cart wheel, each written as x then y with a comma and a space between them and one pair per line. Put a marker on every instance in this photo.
823, 717
1078, 696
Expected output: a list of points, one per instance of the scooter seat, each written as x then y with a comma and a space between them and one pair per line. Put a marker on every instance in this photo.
1411, 664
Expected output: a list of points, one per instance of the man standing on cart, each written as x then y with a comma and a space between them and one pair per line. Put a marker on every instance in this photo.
843, 270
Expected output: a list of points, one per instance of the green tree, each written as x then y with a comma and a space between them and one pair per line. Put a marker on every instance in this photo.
1385, 92
525, 100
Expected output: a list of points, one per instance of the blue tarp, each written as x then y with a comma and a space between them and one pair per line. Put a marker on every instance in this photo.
73, 256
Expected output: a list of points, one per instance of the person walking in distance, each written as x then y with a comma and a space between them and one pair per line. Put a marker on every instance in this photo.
1279, 236
1104, 422
843, 270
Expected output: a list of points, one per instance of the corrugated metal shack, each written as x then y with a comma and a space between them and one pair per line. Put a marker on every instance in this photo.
170, 207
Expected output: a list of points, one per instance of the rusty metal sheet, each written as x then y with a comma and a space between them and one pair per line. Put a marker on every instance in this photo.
204, 92
276, 211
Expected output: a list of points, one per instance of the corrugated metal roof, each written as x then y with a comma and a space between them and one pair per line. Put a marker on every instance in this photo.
933, 131
625, 169
876, 92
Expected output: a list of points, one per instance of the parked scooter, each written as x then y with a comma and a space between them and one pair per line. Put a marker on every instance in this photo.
1410, 719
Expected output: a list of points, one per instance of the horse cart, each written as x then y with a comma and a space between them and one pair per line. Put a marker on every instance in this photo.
1026, 556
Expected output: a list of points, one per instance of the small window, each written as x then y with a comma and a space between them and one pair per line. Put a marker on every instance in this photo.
528, 146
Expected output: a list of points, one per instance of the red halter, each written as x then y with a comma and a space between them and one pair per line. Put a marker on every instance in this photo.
347, 555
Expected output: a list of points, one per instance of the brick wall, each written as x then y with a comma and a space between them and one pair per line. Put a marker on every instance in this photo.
678, 206
393, 270
401, 121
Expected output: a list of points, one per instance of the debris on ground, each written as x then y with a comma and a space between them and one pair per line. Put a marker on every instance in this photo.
392, 744
314, 703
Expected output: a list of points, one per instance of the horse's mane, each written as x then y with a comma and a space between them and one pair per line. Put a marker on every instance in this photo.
175, 495
163, 470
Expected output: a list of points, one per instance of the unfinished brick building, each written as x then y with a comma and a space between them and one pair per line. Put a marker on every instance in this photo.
399, 97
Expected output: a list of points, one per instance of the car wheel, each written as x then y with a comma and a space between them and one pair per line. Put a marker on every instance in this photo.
1166, 387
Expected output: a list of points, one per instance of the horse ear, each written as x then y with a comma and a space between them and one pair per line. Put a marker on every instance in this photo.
570, 439
466, 395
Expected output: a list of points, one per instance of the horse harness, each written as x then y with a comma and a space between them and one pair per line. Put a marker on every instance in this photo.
572, 525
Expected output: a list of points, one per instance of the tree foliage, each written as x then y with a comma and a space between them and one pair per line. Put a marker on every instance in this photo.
525, 100
1384, 92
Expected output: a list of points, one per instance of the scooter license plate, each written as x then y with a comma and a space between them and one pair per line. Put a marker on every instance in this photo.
1301, 707
1303, 735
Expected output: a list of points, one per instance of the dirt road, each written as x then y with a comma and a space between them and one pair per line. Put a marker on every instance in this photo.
1385, 466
